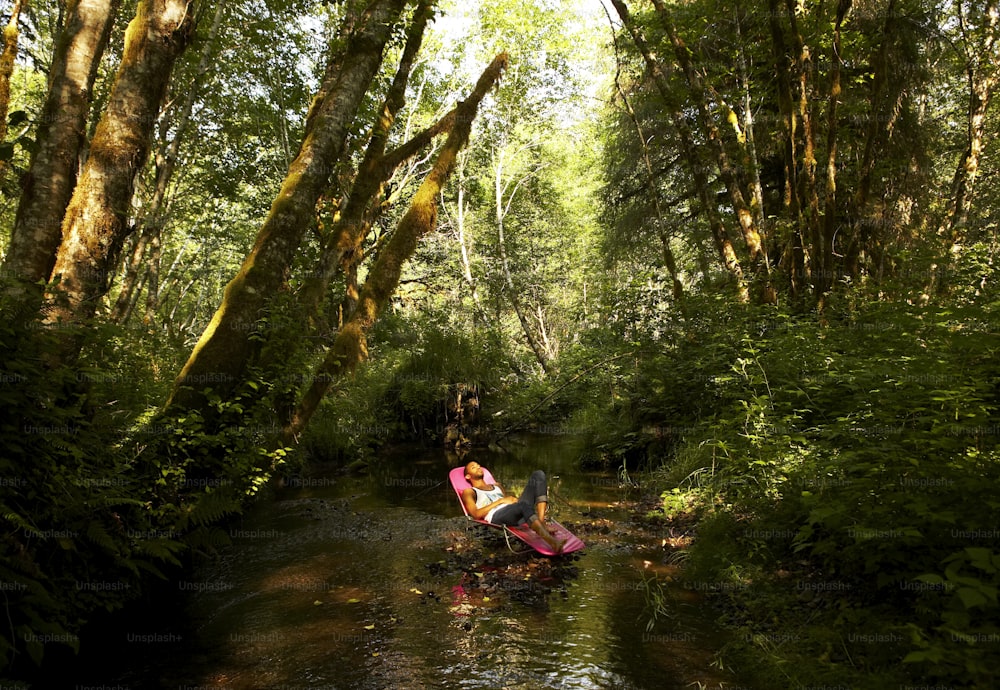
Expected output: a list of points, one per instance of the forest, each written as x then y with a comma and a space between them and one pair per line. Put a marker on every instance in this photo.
744, 253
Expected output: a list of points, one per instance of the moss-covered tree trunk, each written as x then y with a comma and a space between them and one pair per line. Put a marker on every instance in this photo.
7, 57
796, 253
97, 222
744, 215
221, 355
350, 347
165, 161
808, 195
345, 237
824, 280
51, 177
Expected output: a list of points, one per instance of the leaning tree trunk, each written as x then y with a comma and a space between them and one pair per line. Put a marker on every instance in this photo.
350, 347
96, 222
344, 240
225, 347
745, 217
654, 193
51, 177
166, 161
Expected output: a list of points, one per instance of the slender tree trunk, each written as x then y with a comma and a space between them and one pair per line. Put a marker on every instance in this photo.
130, 307
807, 175
51, 176
825, 279
96, 222
350, 347
796, 249
463, 245
225, 348
515, 298
551, 346
668, 255
983, 78
720, 237
744, 215
7, 57
661, 221
166, 160
748, 141
876, 135
153, 279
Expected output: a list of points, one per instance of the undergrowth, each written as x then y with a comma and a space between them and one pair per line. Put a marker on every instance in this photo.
842, 470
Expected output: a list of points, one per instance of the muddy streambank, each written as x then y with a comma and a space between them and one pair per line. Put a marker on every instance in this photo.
379, 581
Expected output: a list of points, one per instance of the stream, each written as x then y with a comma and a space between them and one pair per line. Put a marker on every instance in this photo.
379, 581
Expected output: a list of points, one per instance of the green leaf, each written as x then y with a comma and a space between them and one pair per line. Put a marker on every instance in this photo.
972, 597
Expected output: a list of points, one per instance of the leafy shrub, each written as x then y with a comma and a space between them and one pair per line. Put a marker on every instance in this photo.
862, 445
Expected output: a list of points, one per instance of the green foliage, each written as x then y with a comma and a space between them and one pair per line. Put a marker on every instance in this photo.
961, 643
77, 533
410, 387
97, 494
864, 445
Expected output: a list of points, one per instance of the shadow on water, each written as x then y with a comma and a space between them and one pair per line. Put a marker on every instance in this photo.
380, 582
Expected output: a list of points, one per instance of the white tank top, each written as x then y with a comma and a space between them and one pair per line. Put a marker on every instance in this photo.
486, 496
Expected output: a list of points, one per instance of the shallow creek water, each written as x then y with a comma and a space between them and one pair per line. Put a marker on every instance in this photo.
380, 582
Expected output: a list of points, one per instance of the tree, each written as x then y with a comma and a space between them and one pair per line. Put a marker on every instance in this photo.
224, 349
96, 222
661, 73
165, 162
350, 346
51, 176
7, 56
979, 34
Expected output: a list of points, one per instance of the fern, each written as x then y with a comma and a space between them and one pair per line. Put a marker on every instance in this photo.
161, 549
99, 535
211, 507
208, 539
22, 524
